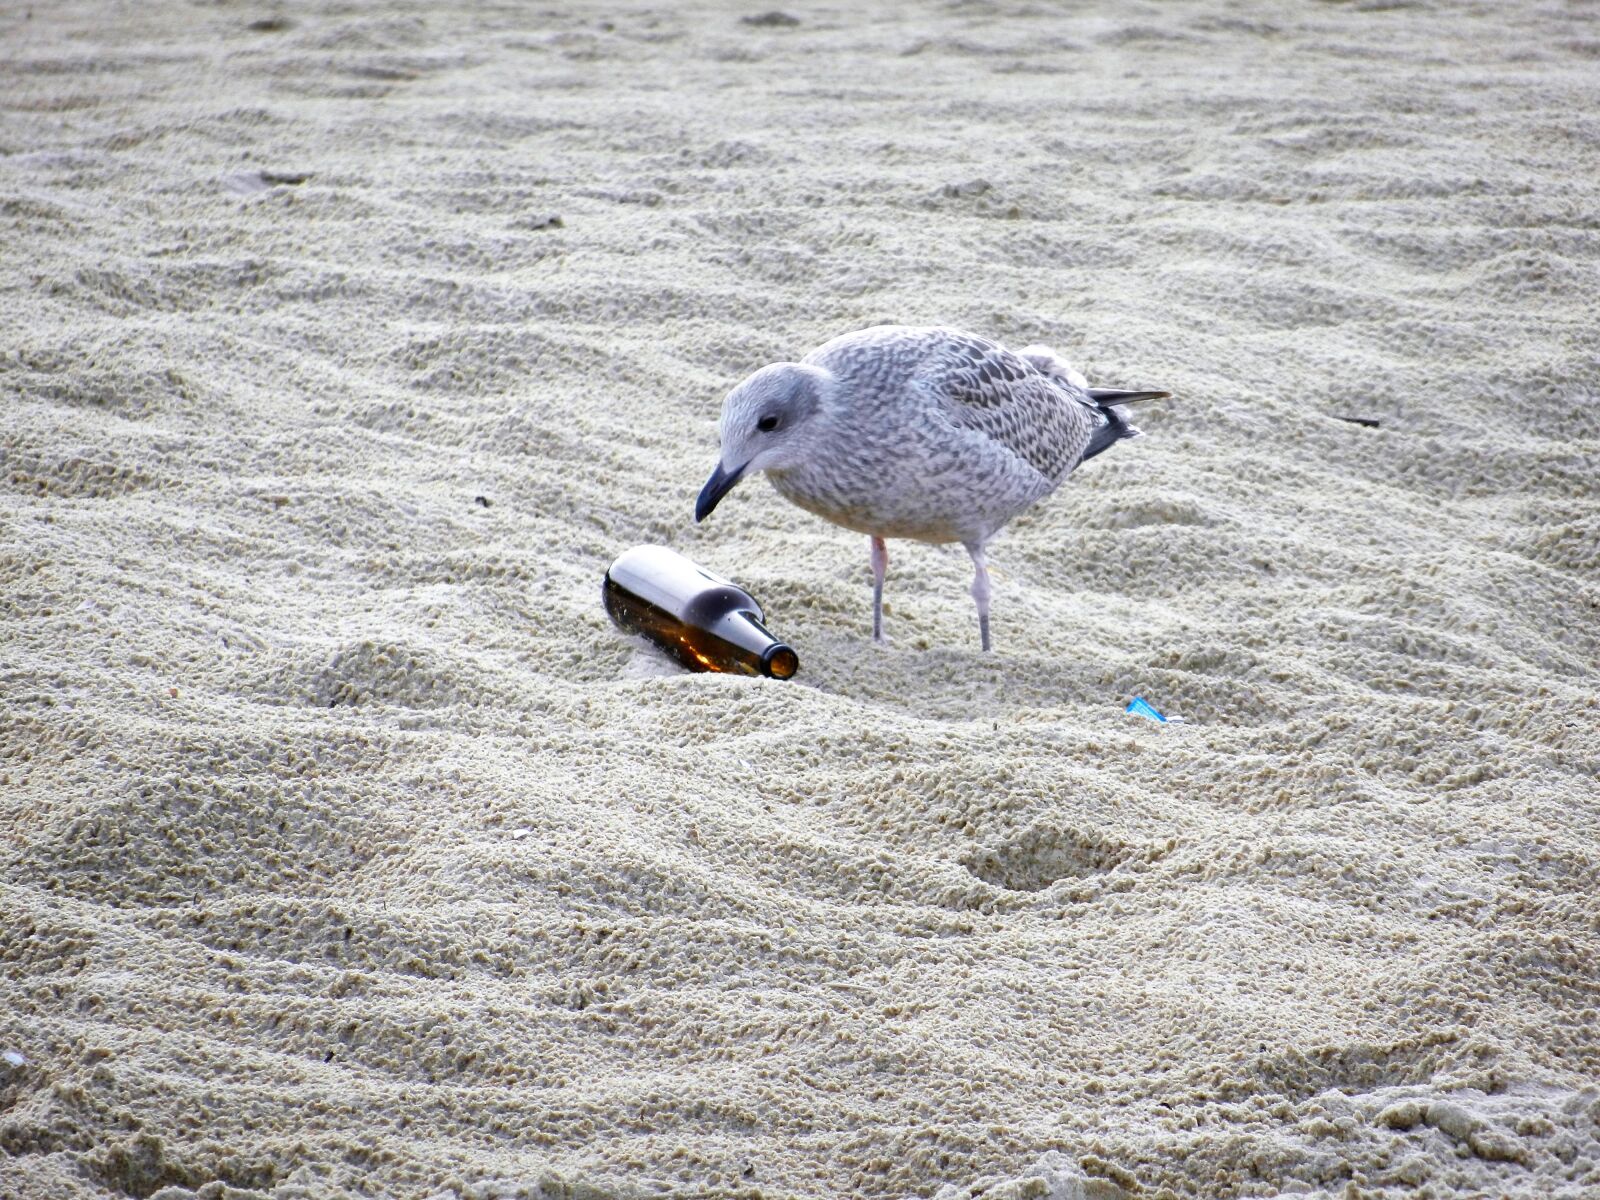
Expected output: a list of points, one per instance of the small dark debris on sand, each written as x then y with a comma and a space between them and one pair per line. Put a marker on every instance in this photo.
772, 20
248, 183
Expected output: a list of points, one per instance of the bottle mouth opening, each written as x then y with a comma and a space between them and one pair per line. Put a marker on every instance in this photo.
780, 662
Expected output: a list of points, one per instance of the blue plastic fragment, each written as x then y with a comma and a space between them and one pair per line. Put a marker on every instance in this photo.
1140, 706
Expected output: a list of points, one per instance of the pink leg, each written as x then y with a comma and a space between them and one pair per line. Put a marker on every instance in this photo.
880, 567
980, 589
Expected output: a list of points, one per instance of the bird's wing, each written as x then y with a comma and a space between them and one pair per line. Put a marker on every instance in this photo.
984, 387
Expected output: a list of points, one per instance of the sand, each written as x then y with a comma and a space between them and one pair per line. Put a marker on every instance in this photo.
346, 850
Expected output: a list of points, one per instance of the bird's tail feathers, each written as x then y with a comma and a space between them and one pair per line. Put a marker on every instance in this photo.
1113, 428
1113, 425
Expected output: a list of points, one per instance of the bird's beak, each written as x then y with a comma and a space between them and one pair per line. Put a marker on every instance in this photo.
718, 486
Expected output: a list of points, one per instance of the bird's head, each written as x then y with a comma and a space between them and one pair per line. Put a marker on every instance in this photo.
768, 423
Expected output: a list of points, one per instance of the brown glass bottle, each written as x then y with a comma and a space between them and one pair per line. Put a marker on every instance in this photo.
702, 620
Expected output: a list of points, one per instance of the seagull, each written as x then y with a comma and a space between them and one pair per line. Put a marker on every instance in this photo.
926, 433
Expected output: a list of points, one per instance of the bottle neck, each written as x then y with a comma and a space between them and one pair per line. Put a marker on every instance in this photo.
765, 654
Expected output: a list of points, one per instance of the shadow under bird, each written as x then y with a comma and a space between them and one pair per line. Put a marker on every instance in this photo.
925, 433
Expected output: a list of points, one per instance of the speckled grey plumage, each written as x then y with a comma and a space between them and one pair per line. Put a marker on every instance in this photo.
939, 435
905, 432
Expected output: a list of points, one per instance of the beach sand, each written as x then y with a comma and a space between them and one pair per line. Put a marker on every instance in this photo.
346, 850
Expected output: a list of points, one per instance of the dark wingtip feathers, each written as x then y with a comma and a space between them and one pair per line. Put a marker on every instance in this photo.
1105, 397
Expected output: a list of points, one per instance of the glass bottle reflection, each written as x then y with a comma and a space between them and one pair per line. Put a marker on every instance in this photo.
701, 619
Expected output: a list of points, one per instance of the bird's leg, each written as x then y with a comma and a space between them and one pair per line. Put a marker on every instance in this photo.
880, 565
980, 589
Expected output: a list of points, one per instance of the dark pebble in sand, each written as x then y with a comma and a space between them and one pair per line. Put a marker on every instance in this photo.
481, 500
270, 25
248, 183
772, 20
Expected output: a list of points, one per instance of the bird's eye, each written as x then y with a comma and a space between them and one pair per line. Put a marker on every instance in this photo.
767, 423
